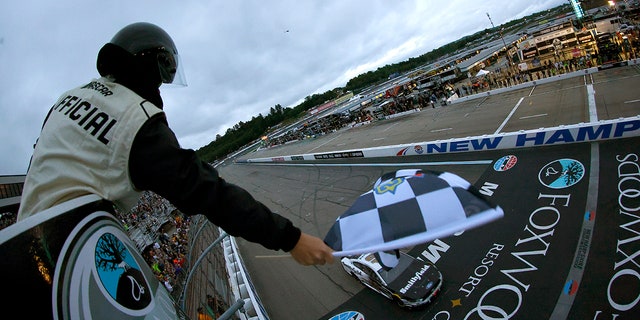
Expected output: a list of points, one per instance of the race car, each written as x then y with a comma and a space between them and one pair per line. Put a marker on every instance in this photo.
412, 283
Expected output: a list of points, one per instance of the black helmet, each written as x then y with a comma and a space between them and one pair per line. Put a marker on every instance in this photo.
141, 47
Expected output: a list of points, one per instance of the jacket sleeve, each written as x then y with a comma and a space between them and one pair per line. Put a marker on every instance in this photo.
158, 163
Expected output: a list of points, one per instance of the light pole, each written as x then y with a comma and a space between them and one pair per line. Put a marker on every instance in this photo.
504, 43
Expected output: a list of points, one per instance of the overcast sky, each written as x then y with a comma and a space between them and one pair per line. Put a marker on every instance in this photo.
240, 57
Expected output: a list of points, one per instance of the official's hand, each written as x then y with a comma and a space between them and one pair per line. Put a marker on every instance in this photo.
311, 250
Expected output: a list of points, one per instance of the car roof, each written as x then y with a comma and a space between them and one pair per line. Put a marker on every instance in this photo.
370, 260
405, 262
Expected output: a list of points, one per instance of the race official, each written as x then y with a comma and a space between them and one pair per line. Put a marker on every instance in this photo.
110, 137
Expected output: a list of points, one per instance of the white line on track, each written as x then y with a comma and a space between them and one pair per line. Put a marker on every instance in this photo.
389, 127
534, 116
591, 98
509, 116
336, 137
438, 130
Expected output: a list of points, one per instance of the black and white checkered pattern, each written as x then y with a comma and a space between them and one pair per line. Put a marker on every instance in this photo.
409, 207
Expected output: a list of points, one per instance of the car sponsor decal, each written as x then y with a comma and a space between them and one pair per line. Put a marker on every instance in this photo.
415, 278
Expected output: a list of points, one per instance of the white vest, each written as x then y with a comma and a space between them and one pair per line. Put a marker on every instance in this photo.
84, 147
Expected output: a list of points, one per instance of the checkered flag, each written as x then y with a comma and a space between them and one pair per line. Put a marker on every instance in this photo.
409, 207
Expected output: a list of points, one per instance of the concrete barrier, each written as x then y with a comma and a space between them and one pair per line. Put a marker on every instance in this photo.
582, 132
241, 284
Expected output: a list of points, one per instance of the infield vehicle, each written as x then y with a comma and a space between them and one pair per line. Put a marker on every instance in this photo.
412, 283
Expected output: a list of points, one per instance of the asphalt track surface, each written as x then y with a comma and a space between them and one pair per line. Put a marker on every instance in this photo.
566, 249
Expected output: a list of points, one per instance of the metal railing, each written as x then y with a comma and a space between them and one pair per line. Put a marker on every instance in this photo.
217, 281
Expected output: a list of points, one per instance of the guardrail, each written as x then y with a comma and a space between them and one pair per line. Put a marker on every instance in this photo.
217, 280
241, 282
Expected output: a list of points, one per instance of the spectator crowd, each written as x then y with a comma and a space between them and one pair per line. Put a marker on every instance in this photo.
168, 228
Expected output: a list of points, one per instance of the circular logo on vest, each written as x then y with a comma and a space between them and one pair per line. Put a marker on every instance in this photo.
120, 273
562, 173
100, 271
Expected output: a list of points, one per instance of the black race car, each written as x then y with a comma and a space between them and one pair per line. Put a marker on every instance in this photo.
411, 283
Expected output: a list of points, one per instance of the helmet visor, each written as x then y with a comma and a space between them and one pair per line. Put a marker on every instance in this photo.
170, 68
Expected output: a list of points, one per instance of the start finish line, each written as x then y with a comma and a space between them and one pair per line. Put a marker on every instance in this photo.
584, 132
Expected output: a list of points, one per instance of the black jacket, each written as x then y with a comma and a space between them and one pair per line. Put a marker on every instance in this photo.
158, 163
